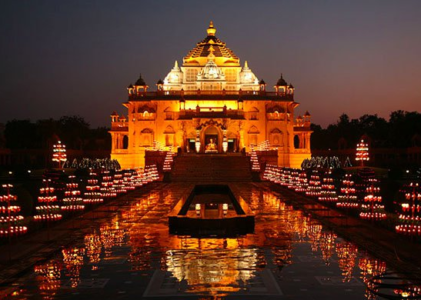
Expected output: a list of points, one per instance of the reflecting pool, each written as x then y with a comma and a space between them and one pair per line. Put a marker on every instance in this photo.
131, 255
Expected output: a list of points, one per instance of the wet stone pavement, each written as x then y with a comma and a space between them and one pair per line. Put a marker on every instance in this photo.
128, 253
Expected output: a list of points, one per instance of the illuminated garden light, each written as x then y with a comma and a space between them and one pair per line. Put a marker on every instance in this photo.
372, 208
269, 173
255, 166
47, 210
137, 177
285, 177
168, 160
314, 187
362, 154
92, 193
128, 180
303, 182
118, 183
347, 197
72, 200
294, 180
410, 214
10, 221
107, 189
59, 154
328, 190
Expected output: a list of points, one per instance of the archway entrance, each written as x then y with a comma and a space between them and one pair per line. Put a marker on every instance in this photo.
212, 140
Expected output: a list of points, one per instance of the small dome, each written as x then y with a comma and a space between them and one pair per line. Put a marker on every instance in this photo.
307, 114
291, 86
299, 118
262, 82
281, 82
160, 81
140, 81
130, 86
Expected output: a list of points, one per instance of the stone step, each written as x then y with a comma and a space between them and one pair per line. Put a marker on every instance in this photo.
211, 168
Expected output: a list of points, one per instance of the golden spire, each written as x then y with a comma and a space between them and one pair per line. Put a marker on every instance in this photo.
211, 30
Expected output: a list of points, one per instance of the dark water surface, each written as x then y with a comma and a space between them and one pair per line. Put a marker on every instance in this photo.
131, 255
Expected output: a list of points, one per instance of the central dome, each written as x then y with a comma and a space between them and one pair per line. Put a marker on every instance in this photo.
203, 49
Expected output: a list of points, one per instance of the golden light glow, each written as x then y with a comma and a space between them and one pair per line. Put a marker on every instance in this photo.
214, 105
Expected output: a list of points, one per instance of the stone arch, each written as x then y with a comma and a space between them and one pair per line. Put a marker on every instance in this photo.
296, 142
253, 133
253, 130
211, 131
125, 142
276, 137
169, 134
146, 137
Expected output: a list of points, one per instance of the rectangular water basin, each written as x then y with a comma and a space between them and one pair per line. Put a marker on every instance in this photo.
211, 210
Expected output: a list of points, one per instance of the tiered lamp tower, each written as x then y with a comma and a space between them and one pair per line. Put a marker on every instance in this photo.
328, 192
347, 197
255, 166
168, 160
92, 194
10, 221
128, 182
294, 179
59, 154
362, 154
107, 190
48, 210
314, 184
372, 209
409, 217
303, 182
72, 200
118, 183
269, 173
151, 173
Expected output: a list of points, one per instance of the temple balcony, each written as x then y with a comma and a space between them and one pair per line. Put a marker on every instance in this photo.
211, 112
119, 126
211, 94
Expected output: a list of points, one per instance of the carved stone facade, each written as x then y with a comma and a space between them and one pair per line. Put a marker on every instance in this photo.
210, 97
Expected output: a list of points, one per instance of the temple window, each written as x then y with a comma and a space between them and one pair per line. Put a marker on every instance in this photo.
125, 142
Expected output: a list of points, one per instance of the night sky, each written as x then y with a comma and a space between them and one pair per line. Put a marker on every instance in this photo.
77, 57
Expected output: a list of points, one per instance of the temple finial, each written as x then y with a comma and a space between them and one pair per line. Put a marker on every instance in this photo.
211, 30
246, 65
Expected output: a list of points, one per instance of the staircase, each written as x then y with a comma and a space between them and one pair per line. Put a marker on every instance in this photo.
211, 168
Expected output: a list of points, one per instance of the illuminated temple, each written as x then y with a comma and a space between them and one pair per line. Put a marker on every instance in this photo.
210, 104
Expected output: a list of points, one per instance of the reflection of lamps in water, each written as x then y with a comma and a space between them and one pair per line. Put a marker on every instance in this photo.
225, 208
198, 208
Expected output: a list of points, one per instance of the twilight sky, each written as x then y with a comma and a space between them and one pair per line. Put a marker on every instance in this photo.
77, 57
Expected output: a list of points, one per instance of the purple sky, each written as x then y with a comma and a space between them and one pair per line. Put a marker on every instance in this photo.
77, 57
